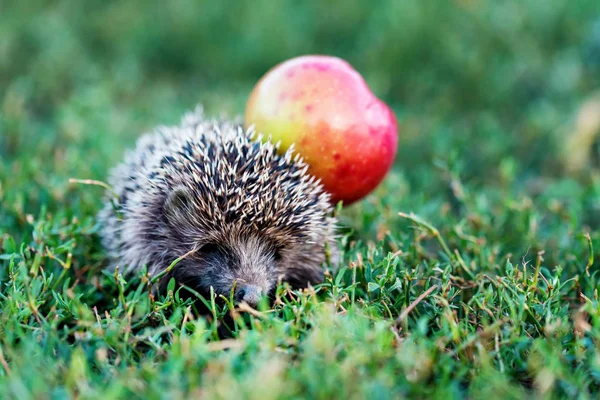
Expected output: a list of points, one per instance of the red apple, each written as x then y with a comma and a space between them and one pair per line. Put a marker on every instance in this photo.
346, 135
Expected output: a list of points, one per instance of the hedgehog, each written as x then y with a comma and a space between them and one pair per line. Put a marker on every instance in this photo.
242, 216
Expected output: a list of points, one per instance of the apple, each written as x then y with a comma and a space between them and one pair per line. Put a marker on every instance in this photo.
346, 135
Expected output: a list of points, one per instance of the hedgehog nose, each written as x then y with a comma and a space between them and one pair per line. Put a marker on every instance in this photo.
251, 294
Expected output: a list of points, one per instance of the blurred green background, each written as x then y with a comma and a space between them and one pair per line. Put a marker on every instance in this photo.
484, 90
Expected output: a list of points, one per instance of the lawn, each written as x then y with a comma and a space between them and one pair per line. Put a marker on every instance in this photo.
472, 271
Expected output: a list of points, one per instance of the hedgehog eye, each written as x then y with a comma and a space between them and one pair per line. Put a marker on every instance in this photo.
277, 254
209, 248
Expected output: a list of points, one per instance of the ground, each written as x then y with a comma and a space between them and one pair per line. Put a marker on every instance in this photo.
471, 271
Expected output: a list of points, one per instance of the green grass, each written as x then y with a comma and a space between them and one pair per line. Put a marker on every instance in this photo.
471, 271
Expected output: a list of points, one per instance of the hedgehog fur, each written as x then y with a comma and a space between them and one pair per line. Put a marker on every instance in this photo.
243, 216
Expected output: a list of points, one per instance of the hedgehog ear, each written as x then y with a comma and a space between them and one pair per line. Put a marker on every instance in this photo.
178, 205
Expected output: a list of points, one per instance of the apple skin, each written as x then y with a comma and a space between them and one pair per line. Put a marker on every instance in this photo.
346, 135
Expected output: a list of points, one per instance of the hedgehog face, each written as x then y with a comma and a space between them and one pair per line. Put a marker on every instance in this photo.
246, 268
236, 259
232, 261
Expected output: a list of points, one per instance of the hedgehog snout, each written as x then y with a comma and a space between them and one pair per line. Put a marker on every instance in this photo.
251, 294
